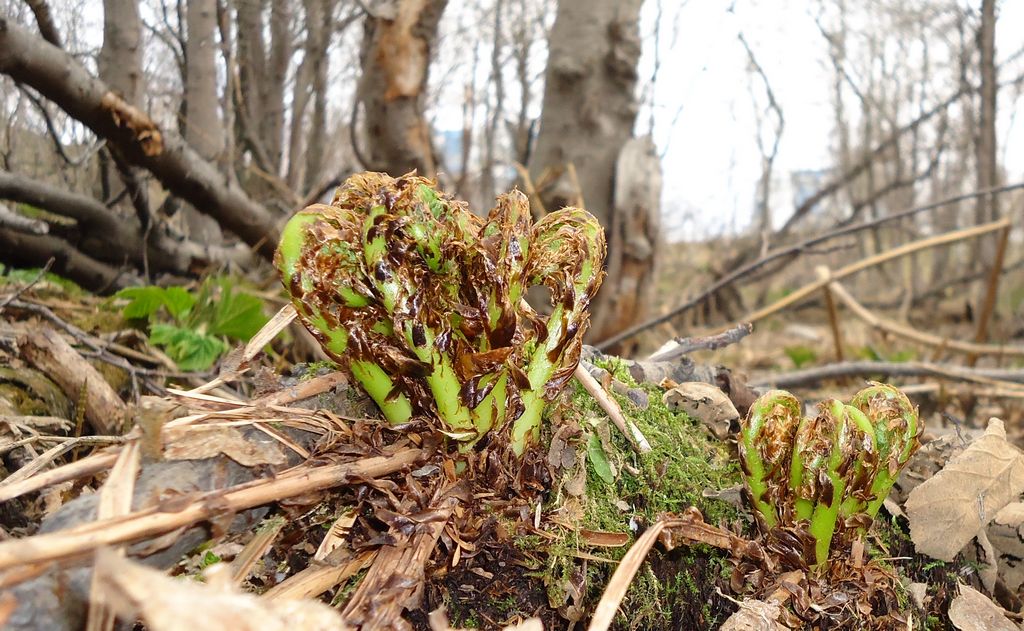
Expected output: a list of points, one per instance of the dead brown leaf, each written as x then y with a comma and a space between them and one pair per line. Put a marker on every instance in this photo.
196, 443
973, 611
167, 604
948, 510
704, 402
755, 615
1006, 532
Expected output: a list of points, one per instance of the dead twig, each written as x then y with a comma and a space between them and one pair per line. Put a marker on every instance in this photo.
14, 296
158, 520
917, 335
1006, 378
991, 289
611, 407
833, 315
793, 251
685, 345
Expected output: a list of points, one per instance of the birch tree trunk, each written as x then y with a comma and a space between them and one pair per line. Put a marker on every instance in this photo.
987, 208
589, 110
397, 48
203, 129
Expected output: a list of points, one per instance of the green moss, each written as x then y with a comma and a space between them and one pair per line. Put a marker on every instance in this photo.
315, 369
683, 462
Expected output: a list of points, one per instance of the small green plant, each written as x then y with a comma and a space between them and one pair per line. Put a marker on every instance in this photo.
192, 328
801, 355
827, 475
422, 301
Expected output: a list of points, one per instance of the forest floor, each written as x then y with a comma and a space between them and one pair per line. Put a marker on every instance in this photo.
264, 476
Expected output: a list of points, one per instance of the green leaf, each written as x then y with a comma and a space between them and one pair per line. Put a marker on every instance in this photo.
178, 302
190, 350
801, 355
598, 459
238, 315
210, 558
142, 301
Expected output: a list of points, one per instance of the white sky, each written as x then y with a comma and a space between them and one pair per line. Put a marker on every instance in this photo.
704, 116
711, 161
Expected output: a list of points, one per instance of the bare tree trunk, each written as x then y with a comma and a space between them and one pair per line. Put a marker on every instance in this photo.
272, 87
310, 81
589, 111
496, 110
987, 208
397, 49
120, 66
228, 101
120, 60
203, 129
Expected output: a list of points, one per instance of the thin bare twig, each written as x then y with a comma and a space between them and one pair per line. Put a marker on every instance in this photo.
14, 296
994, 376
792, 251
685, 345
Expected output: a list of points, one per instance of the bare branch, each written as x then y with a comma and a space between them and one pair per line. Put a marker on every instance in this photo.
58, 77
44, 18
792, 251
27, 250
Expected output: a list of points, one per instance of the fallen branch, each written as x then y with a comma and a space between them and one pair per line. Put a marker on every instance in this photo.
83, 539
680, 346
871, 261
47, 351
32, 61
32, 250
111, 238
917, 335
793, 251
994, 376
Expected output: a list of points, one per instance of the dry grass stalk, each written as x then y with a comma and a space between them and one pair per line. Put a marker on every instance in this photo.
903, 250
320, 577
396, 576
115, 500
156, 520
254, 550
90, 465
916, 335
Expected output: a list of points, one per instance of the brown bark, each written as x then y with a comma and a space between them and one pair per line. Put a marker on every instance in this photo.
54, 74
588, 114
44, 18
103, 235
48, 352
396, 53
636, 229
30, 250
203, 130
